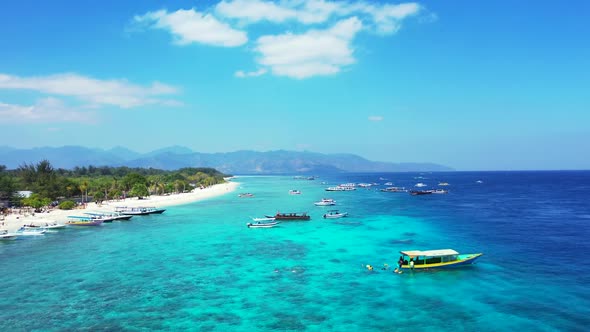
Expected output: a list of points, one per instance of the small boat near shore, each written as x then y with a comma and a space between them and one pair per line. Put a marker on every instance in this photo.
335, 214
83, 221
28, 231
440, 258
242, 195
262, 224
5, 235
108, 216
138, 211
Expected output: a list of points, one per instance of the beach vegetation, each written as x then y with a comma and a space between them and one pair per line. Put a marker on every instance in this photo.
8, 186
90, 183
139, 190
36, 202
67, 205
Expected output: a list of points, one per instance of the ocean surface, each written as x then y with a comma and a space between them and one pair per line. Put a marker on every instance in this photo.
198, 267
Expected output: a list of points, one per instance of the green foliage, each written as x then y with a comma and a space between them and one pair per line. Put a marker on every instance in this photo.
67, 205
139, 190
7, 185
98, 196
111, 182
36, 201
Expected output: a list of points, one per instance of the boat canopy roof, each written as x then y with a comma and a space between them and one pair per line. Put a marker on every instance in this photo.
429, 253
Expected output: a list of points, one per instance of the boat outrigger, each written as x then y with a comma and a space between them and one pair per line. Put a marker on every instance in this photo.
441, 258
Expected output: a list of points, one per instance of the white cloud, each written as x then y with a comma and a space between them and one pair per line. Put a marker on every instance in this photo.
45, 110
242, 74
255, 11
386, 18
190, 26
316, 52
375, 118
99, 92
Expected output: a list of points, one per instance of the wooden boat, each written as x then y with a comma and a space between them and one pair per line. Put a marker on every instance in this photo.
83, 221
335, 214
292, 216
262, 224
441, 258
138, 211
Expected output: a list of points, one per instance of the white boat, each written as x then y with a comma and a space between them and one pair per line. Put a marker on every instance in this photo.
294, 192
341, 188
263, 219
28, 231
262, 224
388, 184
420, 184
439, 191
44, 225
335, 214
5, 235
443, 184
394, 190
325, 202
138, 211
108, 216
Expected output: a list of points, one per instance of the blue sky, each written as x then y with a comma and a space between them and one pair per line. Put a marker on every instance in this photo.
496, 85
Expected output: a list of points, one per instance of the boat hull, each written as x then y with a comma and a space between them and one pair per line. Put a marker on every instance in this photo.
262, 225
463, 259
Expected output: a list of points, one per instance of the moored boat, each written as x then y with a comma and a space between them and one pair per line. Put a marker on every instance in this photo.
267, 218
325, 202
394, 190
420, 192
83, 221
292, 216
440, 258
262, 224
335, 214
294, 192
138, 211
242, 195
5, 235
109, 216
30, 231
439, 191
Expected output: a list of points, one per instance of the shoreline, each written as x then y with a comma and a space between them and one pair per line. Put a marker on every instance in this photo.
13, 221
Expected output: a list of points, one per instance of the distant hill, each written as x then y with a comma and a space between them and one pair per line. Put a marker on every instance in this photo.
239, 162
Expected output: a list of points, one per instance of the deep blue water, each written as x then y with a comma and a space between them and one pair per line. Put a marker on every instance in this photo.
198, 267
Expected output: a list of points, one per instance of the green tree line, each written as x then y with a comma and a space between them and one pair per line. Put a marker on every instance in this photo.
97, 183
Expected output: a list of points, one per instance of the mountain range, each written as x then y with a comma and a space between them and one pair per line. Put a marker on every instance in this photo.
238, 162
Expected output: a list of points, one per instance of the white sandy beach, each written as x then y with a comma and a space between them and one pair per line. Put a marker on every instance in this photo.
12, 222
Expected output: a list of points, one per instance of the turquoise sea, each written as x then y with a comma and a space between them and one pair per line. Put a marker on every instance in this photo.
198, 267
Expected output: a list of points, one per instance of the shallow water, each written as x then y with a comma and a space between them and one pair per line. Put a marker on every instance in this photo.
198, 267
